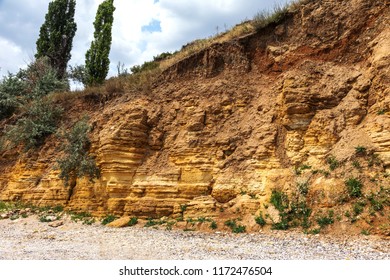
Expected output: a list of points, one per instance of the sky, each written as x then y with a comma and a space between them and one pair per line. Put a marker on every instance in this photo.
142, 28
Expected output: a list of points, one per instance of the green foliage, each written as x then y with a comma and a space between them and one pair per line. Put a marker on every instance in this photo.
354, 187
323, 221
77, 162
133, 221
151, 222
264, 18
356, 164
146, 66
232, 224
56, 34
162, 56
97, 57
303, 188
38, 80
333, 162
213, 225
39, 121
279, 200
108, 219
78, 73
12, 89
358, 207
260, 220
85, 217
360, 150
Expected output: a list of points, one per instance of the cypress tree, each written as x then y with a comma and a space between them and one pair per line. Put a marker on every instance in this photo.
97, 57
56, 35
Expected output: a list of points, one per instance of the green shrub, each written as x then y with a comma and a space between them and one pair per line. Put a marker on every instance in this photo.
356, 164
323, 221
77, 162
133, 221
358, 207
146, 66
282, 225
360, 150
354, 187
232, 224
279, 200
39, 121
151, 222
333, 162
108, 219
303, 188
12, 89
260, 220
85, 217
213, 225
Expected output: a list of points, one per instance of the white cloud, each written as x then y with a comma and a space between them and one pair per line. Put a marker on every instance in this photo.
11, 57
181, 22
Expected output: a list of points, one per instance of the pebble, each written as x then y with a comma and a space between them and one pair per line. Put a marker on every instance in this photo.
29, 239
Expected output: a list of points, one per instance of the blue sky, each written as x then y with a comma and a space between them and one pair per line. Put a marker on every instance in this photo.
142, 28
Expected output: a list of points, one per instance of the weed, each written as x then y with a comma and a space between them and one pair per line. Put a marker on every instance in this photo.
374, 160
239, 229
264, 18
354, 187
314, 231
232, 224
150, 222
260, 220
381, 111
358, 208
58, 209
44, 219
108, 219
3, 206
365, 232
303, 188
213, 225
133, 221
376, 204
360, 150
85, 217
183, 208
323, 221
356, 164
347, 214
279, 200
282, 225
169, 225
333, 162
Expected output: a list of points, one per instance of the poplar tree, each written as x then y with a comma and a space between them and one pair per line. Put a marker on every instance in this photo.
97, 57
56, 35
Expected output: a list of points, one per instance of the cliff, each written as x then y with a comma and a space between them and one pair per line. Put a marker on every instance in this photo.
299, 107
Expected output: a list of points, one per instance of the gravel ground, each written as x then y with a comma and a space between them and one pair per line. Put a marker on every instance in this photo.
26, 239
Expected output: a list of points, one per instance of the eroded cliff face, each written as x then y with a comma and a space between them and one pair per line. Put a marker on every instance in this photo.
223, 128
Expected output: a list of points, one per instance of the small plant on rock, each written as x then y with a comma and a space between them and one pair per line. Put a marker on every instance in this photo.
260, 220
108, 219
323, 221
354, 187
133, 221
333, 162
